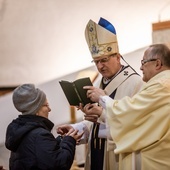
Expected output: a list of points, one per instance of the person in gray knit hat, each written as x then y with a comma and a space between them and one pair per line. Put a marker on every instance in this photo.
29, 136
28, 99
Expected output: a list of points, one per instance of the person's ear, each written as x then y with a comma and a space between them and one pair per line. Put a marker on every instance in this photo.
118, 57
158, 63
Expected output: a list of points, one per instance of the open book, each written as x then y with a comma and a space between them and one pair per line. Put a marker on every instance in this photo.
74, 91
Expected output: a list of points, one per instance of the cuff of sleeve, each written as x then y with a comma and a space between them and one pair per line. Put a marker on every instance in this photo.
82, 127
102, 117
103, 100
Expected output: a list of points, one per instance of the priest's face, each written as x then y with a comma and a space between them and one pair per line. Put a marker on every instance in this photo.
108, 66
148, 65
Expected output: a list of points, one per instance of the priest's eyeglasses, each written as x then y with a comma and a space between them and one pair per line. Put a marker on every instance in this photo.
147, 60
103, 60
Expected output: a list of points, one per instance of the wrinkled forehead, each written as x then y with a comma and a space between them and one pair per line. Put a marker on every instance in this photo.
101, 57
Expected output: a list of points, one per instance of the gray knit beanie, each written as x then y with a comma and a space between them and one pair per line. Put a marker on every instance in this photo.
28, 99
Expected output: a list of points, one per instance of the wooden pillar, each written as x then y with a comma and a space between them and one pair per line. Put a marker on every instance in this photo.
72, 114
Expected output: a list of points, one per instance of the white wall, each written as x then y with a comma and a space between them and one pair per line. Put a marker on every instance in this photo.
41, 40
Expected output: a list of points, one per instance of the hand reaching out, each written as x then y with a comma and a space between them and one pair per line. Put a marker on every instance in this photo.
77, 136
68, 130
64, 129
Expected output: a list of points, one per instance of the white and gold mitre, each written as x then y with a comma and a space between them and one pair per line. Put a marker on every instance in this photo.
101, 38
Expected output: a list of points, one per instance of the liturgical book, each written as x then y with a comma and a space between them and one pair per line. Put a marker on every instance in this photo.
74, 91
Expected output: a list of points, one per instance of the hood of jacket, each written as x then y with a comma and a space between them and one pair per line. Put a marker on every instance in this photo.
21, 126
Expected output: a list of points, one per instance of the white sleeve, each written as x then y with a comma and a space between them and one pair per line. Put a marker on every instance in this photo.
103, 100
102, 118
83, 126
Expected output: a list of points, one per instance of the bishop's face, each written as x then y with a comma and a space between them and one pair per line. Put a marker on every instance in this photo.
108, 66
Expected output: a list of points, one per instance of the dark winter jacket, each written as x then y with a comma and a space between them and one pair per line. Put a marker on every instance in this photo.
33, 147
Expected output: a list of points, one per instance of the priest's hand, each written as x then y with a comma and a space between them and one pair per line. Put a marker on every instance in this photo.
94, 93
92, 112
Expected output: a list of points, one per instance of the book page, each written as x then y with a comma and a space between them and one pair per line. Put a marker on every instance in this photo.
80, 83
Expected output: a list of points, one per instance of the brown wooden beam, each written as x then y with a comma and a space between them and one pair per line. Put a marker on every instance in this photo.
161, 25
5, 90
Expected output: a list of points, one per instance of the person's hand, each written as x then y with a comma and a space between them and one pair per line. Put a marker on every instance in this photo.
77, 136
94, 93
80, 107
91, 118
92, 112
64, 129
